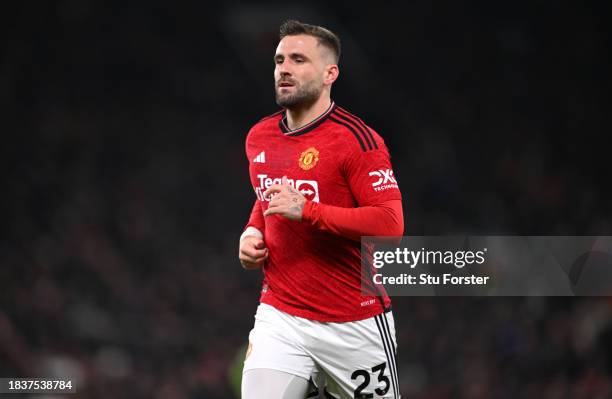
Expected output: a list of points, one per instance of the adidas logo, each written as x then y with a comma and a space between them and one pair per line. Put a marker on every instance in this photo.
261, 158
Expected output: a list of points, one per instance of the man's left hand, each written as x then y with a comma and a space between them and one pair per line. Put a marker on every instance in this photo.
286, 201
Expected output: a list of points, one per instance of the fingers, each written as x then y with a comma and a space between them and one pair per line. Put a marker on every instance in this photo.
277, 188
253, 254
273, 211
278, 204
252, 250
252, 262
279, 199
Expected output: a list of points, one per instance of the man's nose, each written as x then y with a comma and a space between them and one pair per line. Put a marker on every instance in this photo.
284, 70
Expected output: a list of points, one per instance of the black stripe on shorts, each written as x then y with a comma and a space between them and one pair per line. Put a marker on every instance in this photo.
387, 348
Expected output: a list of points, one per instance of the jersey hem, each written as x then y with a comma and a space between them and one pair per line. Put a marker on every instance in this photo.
305, 314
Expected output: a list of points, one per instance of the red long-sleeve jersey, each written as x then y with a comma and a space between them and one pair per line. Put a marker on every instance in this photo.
343, 168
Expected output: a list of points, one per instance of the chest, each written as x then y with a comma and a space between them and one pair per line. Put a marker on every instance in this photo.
312, 164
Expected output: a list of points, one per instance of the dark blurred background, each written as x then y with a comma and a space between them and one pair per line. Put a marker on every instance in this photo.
125, 185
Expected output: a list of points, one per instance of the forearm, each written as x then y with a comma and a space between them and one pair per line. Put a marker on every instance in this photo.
385, 219
256, 219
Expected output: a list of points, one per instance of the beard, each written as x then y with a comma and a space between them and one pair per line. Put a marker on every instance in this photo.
303, 95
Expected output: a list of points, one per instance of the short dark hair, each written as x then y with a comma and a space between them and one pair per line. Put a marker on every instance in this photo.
324, 36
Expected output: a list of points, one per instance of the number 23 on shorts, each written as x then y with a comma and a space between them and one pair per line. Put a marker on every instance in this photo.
365, 374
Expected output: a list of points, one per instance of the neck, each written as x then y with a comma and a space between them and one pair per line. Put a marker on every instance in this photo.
298, 117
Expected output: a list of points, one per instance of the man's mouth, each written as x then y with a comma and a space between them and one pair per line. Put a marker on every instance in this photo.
285, 84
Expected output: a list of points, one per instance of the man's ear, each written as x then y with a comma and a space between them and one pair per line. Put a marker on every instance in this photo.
331, 74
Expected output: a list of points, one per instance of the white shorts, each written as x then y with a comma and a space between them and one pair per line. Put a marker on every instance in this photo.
356, 359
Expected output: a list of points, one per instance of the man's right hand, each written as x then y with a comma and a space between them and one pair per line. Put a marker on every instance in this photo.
253, 252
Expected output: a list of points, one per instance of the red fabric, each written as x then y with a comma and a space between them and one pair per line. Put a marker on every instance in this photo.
336, 162
257, 218
385, 219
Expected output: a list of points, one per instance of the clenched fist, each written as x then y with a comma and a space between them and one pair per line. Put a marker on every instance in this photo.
252, 252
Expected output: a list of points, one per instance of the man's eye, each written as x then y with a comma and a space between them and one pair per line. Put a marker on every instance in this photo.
299, 60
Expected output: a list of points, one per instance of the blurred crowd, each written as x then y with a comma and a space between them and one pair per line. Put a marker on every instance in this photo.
125, 185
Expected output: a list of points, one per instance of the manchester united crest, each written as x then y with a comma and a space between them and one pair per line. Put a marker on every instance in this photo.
309, 158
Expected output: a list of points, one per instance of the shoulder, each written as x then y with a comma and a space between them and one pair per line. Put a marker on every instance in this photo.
356, 133
271, 120
276, 116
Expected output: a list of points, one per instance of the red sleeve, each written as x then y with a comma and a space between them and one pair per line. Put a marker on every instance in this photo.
370, 175
384, 219
257, 218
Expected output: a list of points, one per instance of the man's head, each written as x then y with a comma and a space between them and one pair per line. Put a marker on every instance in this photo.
306, 62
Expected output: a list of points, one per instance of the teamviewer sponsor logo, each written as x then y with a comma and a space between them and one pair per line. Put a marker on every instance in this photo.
385, 179
308, 188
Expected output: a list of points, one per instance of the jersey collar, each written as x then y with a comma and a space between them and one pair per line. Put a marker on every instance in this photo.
309, 126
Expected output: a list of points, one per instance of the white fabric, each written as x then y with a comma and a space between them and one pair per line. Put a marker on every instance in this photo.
273, 384
344, 353
251, 231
